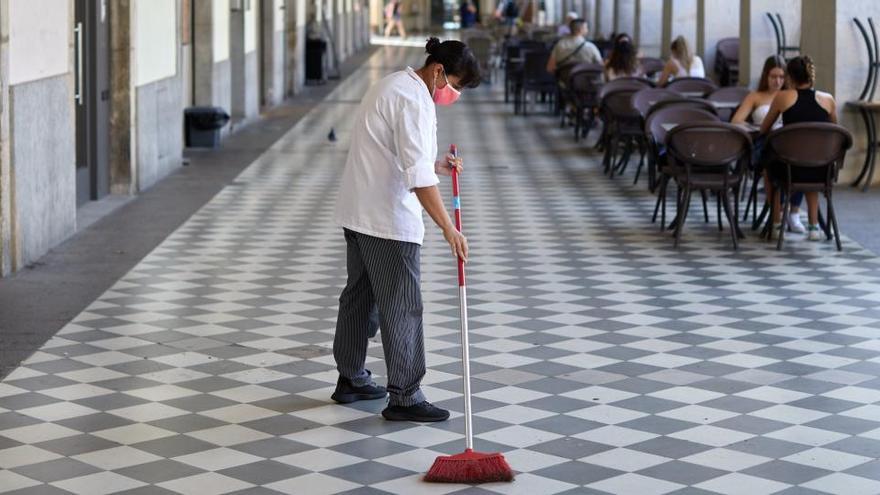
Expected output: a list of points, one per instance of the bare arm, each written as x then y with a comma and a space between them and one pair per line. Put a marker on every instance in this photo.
773, 113
832, 110
667, 71
551, 63
432, 202
744, 110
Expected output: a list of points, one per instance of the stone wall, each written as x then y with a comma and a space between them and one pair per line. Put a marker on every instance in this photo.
625, 16
649, 27
720, 20
43, 178
757, 39
158, 130
842, 66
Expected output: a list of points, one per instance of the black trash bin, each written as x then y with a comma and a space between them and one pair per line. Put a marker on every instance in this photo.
315, 50
203, 126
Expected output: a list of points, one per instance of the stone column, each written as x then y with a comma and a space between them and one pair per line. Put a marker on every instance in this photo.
648, 33
679, 19
625, 16
212, 71
122, 135
7, 254
587, 11
841, 60
244, 64
604, 20
365, 21
294, 46
717, 19
338, 27
756, 38
350, 32
272, 52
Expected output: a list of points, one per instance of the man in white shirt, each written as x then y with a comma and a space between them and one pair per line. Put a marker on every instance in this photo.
572, 50
390, 175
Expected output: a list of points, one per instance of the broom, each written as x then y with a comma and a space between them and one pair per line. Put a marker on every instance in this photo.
469, 466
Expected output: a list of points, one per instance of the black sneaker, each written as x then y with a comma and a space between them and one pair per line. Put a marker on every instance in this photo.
423, 412
347, 393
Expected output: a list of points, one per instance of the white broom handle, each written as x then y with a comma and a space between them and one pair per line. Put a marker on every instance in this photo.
462, 303
466, 369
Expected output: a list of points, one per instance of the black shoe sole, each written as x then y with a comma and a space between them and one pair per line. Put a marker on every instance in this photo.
349, 398
392, 416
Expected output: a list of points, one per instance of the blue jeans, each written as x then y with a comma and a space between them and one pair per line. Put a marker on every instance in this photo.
761, 160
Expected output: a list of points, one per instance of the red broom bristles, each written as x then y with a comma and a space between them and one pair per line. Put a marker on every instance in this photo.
470, 467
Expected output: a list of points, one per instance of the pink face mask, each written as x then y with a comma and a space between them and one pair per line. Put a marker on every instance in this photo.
447, 95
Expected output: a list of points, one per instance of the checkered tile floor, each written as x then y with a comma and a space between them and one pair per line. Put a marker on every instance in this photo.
605, 361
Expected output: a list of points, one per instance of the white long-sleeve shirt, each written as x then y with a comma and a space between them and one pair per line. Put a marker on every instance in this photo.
393, 149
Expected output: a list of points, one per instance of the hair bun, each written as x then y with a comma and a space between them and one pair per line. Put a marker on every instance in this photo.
432, 45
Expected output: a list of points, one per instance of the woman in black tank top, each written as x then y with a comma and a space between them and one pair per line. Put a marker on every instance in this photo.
805, 108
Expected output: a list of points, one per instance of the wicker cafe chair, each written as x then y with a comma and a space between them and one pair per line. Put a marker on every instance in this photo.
731, 95
582, 95
809, 156
651, 66
655, 127
630, 83
535, 79
643, 101
727, 61
713, 157
646, 98
695, 103
624, 128
699, 85
482, 47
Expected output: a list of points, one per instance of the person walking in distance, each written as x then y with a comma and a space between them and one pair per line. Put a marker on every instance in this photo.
390, 176
394, 18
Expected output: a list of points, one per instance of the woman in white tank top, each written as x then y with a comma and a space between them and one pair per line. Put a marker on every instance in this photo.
681, 63
757, 103
755, 107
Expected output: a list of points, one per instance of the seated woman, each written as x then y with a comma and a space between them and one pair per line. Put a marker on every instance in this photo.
801, 103
755, 107
681, 63
622, 62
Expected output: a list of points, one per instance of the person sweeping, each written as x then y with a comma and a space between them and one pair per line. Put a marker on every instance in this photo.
390, 176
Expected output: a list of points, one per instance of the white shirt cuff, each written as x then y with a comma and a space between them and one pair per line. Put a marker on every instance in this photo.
421, 175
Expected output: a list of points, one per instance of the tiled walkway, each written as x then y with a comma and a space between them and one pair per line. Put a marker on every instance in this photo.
606, 361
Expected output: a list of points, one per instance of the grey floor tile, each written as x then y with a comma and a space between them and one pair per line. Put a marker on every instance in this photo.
768, 447
867, 447
54, 470
657, 424
669, 447
159, 471
75, 445
39, 490
264, 472
683, 473
578, 473
869, 470
570, 448
174, 446
843, 424
786, 472
371, 448
368, 473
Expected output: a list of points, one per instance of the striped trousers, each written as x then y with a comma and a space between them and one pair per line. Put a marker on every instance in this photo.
382, 291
